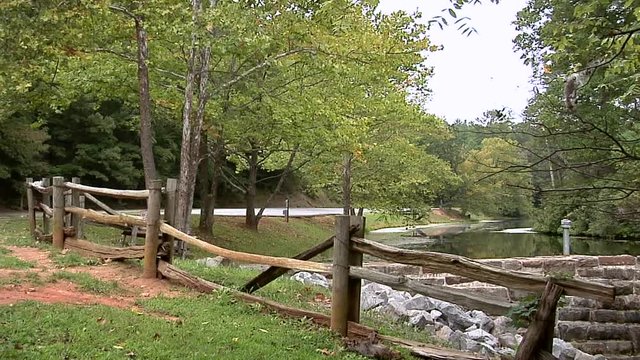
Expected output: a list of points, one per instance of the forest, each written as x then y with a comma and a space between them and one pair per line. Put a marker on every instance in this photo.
238, 99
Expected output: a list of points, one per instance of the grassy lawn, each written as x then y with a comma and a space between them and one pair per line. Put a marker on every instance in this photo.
210, 326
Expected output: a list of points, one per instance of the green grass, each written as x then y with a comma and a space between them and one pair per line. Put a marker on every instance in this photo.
11, 262
71, 259
274, 236
87, 282
298, 295
211, 327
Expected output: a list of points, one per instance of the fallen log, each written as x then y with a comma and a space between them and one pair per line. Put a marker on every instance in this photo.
88, 248
353, 330
459, 265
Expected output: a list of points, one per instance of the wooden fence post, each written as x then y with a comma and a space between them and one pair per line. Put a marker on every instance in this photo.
340, 282
355, 259
75, 201
153, 227
80, 229
31, 208
58, 212
170, 217
46, 200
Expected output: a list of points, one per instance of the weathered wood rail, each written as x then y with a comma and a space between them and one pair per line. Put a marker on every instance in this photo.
348, 246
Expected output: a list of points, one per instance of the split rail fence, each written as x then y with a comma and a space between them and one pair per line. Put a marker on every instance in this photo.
347, 271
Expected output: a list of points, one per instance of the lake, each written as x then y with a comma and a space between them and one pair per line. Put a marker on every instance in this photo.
496, 239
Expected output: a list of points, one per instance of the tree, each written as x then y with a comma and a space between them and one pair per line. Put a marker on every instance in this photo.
588, 154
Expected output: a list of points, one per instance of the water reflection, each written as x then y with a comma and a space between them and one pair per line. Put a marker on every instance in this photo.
485, 240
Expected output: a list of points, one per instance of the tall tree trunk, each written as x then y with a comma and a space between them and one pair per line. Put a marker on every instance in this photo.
283, 176
198, 70
251, 221
346, 184
209, 202
204, 177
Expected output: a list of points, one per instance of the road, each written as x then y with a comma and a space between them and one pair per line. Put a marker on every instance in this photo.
278, 212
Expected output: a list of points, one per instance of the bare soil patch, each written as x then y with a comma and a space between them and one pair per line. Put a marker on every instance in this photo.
125, 274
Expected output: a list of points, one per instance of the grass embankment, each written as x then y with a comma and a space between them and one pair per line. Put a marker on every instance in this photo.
214, 325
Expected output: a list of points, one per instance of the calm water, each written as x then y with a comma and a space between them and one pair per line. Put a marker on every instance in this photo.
488, 240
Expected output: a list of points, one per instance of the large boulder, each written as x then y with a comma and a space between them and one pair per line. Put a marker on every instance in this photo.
419, 318
311, 279
482, 336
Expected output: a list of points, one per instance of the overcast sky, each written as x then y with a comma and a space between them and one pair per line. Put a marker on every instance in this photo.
476, 73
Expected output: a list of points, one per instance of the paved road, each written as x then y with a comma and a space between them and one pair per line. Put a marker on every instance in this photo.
278, 212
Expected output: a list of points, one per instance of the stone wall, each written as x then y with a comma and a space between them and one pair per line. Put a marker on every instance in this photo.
612, 329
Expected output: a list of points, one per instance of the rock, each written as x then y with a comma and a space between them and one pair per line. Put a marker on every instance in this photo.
563, 350
501, 325
481, 319
456, 318
395, 310
506, 353
508, 341
519, 338
471, 328
373, 295
482, 336
419, 318
419, 302
435, 314
401, 296
311, 279
214, 262
444, 333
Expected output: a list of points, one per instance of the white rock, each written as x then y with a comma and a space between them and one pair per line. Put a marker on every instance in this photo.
501, 325
311, 279
456, 318
214, 261
420, 319
563, 350
435, 314
508, 341
481, 319
482, 336
444, 333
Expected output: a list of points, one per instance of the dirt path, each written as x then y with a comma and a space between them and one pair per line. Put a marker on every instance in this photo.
22, 285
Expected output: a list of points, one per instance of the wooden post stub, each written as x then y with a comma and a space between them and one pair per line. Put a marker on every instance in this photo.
75, 201
340, 285
46, 199
80, 228
58, 212
170, 217
537, 339
355, 259
31, 207
153, 227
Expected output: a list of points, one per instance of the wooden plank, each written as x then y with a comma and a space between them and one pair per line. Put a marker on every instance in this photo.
122, 220
459, 265
354, 329
492, 306
31, 204
340, 281
355, 259
246, 257
58, 212
80, 229
100, 204
121, 194
537, 339
104, 252
154, 203
46, 204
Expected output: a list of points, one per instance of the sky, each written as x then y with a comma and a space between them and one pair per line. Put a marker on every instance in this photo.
476, 73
